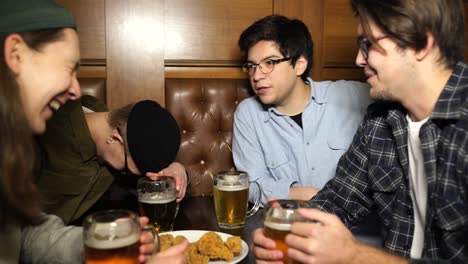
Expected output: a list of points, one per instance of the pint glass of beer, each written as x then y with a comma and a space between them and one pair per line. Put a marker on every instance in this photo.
112, 237
278, 218
157, 201
231, 197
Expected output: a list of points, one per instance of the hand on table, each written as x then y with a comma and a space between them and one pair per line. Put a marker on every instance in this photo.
177, 171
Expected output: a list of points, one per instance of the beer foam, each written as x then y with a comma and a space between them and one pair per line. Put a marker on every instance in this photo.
231, 188
93, 242
278, 226
153, 201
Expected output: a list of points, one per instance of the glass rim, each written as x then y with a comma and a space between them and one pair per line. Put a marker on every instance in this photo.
165, 182
117, 212
290, 204
231, 173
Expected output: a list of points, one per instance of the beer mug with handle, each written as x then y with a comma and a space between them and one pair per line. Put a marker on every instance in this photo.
113, 236
278, 218
157, 201
231, 197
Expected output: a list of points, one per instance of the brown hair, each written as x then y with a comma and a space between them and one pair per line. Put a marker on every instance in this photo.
19, 198
408, 21
118, 119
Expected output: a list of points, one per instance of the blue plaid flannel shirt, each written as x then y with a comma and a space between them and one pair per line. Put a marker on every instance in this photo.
373, 175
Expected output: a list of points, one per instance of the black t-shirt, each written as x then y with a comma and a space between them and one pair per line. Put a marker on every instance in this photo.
298, 119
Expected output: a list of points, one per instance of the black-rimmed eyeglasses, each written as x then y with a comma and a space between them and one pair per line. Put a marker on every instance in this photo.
365, 44
266, 66
127, 171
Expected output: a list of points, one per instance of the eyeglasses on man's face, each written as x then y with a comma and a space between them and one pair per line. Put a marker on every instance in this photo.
266, 66
365, 45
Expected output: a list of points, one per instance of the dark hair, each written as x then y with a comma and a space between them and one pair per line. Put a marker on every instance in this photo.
408, 21
19, 198
291, 35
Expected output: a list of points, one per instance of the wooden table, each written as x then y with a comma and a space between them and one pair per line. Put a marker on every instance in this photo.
198, 213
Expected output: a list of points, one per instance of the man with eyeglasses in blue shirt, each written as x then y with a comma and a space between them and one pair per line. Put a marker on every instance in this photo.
289, 136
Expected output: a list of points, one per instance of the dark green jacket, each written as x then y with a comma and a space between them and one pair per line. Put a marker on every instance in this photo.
70, 175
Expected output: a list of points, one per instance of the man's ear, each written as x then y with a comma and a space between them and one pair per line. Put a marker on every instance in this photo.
421, 54
14, 52
114, 137
301, 65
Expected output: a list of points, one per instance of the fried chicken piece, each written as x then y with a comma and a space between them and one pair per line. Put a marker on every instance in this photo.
197, 259
178, 239
234, 244
165, 241
212, 245
191, 250
193, 257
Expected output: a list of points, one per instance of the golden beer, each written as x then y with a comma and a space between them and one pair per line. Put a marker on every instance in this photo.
161, 213
278, 218
120, 251
231, 205
277, 232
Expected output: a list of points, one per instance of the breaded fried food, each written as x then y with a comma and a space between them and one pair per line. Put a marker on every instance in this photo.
193, 257
178, 239
212, 245
234, 244
165, 241
191, 250
198, 259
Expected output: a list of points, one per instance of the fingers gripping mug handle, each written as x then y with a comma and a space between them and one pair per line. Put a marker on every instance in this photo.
157, 244
258, 200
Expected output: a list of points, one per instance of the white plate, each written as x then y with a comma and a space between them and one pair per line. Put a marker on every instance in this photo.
194, 235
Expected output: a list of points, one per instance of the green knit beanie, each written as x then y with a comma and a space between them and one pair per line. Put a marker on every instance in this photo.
32, 15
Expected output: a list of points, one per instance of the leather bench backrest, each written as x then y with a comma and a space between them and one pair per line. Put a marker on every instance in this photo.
204, 110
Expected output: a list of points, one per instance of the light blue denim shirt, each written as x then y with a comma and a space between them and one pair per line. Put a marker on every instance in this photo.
278, 154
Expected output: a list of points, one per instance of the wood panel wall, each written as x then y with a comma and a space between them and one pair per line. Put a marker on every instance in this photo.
135, 51
137, 44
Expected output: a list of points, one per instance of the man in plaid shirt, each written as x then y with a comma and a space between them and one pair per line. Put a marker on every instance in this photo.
408, 160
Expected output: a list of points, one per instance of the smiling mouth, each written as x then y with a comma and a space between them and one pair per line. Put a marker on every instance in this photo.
54, 105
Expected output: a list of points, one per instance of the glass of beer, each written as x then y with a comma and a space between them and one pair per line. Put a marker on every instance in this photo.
278, 218
157, 201
112, 237
231, 197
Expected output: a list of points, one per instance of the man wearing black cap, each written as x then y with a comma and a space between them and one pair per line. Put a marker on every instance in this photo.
89, 156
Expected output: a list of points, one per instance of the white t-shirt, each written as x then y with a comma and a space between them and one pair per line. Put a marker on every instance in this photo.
418, 185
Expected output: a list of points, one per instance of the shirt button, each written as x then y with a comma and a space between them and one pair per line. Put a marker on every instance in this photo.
202, 162
307, 143
313, 168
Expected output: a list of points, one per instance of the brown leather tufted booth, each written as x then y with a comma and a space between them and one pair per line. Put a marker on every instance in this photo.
204, 110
